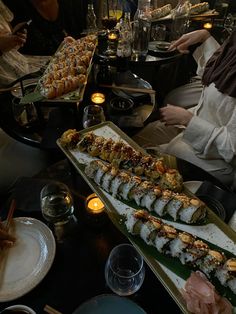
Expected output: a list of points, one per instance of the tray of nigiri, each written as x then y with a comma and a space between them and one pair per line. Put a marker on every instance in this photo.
146, 199
65, 77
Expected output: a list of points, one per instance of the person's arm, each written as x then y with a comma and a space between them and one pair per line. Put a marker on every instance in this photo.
209, 140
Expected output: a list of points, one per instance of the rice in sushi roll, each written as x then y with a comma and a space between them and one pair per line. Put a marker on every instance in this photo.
227, 274
179, 245
193, 252
211, 262
164, 236
159, 205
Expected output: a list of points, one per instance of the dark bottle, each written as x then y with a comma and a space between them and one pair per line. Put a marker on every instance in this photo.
91, 18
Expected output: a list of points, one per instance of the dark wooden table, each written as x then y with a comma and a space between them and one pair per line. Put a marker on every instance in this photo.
77, 273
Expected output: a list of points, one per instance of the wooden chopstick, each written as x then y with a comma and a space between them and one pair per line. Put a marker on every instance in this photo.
50, 310
130, 89
10, 214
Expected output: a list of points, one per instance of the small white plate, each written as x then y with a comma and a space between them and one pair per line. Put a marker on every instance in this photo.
193, 186
25, 264
20, 307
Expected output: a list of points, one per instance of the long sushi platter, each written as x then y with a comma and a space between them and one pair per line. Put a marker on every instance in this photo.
146, 200
66, 75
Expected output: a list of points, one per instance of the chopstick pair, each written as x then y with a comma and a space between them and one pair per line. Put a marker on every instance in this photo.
6, 239
10, 214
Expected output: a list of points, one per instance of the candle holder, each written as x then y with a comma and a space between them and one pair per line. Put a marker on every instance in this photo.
98, 98
207, 25
95, 211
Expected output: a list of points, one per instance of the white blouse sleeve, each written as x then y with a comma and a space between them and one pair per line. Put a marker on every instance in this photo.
203, 53
214, 141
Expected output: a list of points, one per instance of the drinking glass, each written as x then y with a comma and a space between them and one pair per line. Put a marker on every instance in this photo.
158, 32
124, 270
56, 203
93, 114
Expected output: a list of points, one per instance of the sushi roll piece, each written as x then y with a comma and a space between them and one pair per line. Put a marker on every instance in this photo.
134, 182
192, 210
106, 149
194, 252
211, 262
116, 184
175, 205
138, 193
148, 232
181, 243
227, 274
156, 170
164, 236
96, 170
115, 153
159, 205
95, 148
143, 165
70, 138
107, 179
171, 180
86, 141
151, 196
135, 220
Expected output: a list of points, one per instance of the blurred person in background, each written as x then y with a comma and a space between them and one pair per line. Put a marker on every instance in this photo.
52, 20
204, 135
16, 159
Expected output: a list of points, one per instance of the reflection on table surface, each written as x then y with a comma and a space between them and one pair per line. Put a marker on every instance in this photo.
77, 273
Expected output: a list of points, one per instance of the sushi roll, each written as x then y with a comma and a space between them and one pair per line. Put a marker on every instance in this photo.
139, 192
171, 180
95, 148
179, 245
135, 220
175, 204
106, 149
148, 232
192, 210
150, 197
118, 182
156, 170
86, 141
197, 250
107, 179
211, 262
115, 153
96, 170
164, 236
128, 187
227, 274
159, 205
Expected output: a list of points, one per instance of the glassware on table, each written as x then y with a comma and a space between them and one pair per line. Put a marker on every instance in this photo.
93, 114
24, 114
158, 32
112, 11
124, 270
58, 209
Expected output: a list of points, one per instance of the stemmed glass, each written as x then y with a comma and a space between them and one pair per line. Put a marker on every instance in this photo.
124, 270
93, 114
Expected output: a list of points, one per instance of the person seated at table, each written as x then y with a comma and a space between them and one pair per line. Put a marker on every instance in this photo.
52, 20
16, 159
204, 135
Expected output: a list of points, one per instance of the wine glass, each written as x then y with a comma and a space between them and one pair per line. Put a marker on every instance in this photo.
124, 270
93, 114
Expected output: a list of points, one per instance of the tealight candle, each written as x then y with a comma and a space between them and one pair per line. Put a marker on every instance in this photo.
94, 205
98, 98
112, 36
207, 25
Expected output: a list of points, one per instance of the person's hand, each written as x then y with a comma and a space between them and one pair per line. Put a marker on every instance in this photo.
10, 41
174, 115
185, 41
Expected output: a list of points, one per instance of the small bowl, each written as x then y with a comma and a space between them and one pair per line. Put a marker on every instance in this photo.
121, 105
20, 309
162, 45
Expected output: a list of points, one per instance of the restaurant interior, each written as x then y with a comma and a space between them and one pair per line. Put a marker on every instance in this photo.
117, 156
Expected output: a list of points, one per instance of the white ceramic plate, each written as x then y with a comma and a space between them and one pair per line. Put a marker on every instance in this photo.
25, 264
193, 186
107, 304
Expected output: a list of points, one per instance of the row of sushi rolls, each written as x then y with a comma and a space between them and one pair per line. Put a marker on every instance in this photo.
131, 175
67, 70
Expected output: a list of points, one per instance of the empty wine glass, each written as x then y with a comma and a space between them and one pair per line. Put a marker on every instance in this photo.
124, 270
93, 114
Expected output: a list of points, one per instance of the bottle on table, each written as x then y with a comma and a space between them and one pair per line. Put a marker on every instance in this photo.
91, 19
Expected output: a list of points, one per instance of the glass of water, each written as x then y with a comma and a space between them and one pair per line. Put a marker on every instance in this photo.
56, 203
93, 114
124, 270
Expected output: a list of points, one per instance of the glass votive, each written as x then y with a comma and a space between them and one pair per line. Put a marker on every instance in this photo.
207, 25
95, 211
113, 35
98, 98
93, 114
